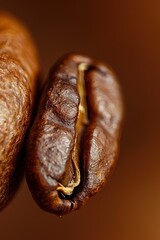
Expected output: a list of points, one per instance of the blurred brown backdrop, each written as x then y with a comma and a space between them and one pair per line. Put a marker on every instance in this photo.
126, 34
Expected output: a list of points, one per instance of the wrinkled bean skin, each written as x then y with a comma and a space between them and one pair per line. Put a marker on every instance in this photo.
51, 145
19, 69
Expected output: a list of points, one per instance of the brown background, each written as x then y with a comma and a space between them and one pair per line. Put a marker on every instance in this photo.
126, 34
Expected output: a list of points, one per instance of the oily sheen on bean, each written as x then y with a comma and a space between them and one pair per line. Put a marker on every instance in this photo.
73, 143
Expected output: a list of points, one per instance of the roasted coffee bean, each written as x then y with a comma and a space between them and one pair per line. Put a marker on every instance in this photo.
18, 74
73, 143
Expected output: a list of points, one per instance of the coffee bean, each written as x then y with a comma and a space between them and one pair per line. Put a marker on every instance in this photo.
19, 69
73, 143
